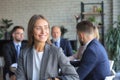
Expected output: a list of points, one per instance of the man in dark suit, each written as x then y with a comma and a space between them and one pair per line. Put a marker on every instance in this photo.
94, 64
61, 42
12, 50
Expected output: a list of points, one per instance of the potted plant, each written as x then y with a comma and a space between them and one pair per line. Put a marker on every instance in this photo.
112, 41
91, 19
3, 29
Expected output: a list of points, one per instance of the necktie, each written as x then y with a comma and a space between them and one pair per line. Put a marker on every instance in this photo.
18, 50
56, 43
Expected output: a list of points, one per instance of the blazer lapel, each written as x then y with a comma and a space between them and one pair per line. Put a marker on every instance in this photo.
29, 62
14, 50
61, 43
44, 62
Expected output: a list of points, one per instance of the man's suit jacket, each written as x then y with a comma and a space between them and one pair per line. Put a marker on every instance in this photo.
10, 55
94, 64
52, 58
66, 46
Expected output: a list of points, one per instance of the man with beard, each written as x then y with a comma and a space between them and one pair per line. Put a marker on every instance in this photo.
79, 53
12, 50
94, 64
61, 42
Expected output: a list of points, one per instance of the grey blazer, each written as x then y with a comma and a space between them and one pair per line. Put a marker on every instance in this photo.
53, 59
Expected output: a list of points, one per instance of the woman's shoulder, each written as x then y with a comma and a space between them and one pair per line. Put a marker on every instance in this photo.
26, 49
53, 49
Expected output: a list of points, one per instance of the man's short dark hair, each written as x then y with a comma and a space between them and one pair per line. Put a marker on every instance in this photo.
15, 28
85, 26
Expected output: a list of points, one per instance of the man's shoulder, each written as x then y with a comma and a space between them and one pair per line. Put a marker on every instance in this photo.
27, 49
94, 43
24, 43
9, 43
96, 48
64, 39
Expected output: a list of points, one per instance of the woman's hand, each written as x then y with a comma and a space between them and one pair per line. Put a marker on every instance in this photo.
57, 79
13, 77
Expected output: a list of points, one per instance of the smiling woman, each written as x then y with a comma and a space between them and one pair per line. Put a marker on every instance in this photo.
41, 60
41, 31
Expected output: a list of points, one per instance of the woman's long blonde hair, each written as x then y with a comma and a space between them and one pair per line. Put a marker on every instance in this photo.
96, 32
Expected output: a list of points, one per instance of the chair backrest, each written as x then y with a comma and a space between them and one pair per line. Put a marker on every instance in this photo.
111, 62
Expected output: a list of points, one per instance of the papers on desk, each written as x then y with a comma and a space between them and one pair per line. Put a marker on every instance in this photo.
14, 65
110, 77
76, 60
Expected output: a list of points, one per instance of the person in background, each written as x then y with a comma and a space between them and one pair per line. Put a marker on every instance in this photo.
61, 42
79, 53
12, 50
94, 64
41, 60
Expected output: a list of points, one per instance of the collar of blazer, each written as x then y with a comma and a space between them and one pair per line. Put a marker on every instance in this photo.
44, 61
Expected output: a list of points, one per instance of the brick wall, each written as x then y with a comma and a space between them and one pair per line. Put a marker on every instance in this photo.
58, 12
116, 10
